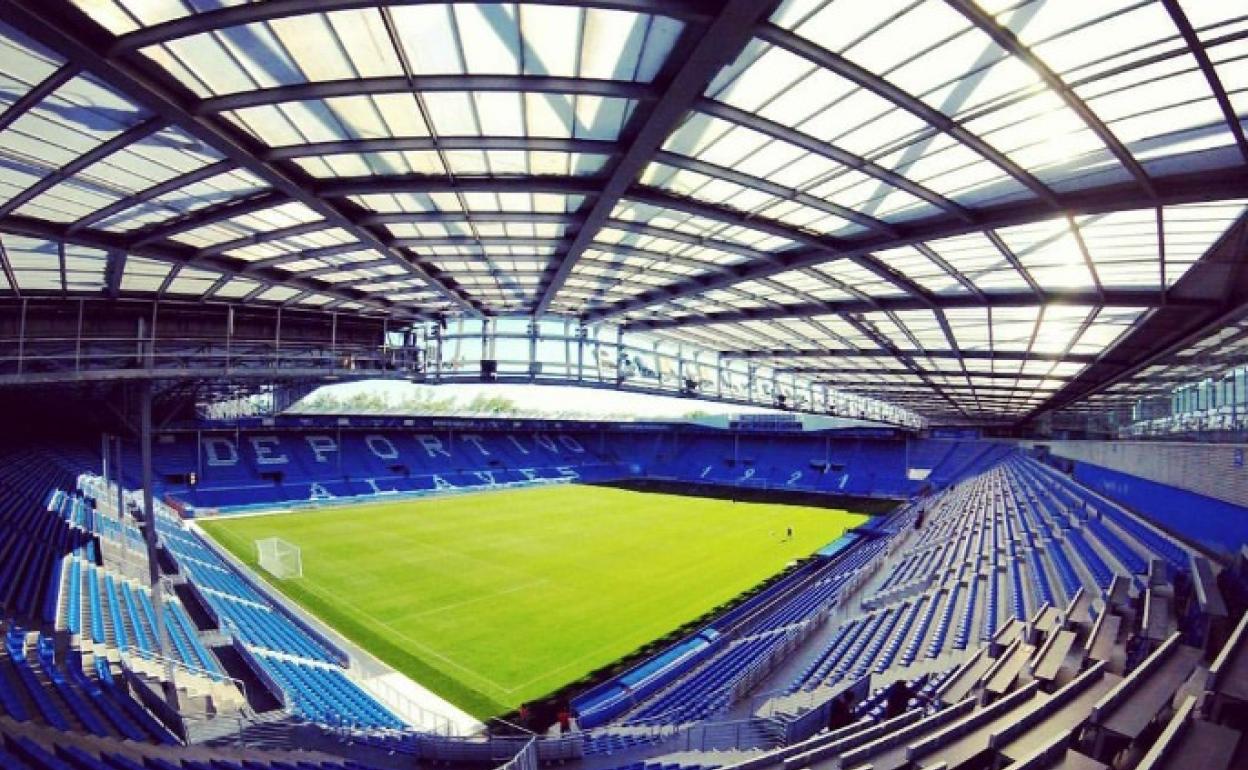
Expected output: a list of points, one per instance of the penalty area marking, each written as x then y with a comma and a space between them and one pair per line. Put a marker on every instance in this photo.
453, 663
337, 600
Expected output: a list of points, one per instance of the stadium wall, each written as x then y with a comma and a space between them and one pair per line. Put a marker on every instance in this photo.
872, 506
1196, 491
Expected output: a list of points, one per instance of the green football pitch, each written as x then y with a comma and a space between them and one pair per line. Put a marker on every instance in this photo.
498, 598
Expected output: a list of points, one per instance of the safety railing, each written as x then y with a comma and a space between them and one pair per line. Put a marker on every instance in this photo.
405, 707
728, 735
759, 670
525, 758
130, 653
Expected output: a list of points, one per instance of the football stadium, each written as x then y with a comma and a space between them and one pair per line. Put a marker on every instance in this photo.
623, 385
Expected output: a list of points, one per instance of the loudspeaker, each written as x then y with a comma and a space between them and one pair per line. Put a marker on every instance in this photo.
489, 369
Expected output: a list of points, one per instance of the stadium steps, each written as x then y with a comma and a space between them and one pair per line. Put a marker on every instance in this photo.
709, 759
259, 699
132, 756
230, 731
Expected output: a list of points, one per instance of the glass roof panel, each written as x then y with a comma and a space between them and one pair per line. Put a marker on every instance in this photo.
1050, 253
214, 190
144, 275
772, 154
26, 64
849, 274
1190, 231
75, 119
931, 29
916, 266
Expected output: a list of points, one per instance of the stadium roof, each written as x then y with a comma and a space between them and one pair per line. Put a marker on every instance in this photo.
970, 209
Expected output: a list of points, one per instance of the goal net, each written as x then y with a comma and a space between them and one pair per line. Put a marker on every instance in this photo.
280, 558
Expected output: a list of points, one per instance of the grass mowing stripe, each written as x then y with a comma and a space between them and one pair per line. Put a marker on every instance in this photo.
495, 599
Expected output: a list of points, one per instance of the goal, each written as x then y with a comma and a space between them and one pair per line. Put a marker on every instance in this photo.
280, 558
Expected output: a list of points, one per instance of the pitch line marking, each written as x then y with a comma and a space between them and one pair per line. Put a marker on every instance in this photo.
418, 644
464, 602
445, 552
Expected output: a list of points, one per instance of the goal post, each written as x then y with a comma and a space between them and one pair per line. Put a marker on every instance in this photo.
280, 558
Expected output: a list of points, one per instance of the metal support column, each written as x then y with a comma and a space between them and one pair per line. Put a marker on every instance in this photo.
149, 536
104, 462
121, 492
619, 355
437, 360
78, 340
21, 340
581, 334
533, 362
277, 339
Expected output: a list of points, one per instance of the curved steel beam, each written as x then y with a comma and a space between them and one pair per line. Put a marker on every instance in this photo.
121, 141
1207, 186
429, 144
975, 355
831, 152
177, 254
271, 10
880, 87
328, 89
155, 191
715, 45
1197, 47
1109, 298
1012, 45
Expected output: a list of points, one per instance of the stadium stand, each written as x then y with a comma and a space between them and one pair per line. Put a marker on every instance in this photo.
1021, 602
267, 467
234, 471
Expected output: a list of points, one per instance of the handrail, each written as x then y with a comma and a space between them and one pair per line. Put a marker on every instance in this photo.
525, 758
974, 721
1029, 718
849, 737
407, 707
962, 670
1234, 645
1110, 700
1165, 742
131, 651
940, 718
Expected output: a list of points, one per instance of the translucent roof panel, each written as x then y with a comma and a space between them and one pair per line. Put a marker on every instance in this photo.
974, 200
144, 209
470, 203
44, 265
460, 162
149, 161
436, 39
78, 117
450, 114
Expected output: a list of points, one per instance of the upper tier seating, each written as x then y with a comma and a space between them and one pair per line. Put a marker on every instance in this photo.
266, 467
272, 467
